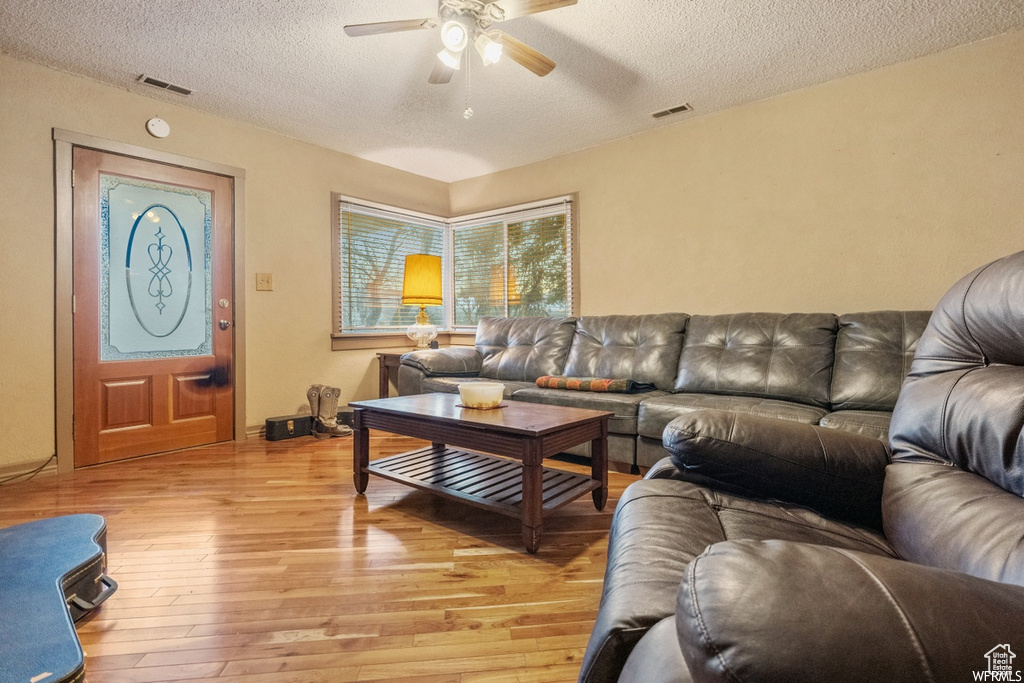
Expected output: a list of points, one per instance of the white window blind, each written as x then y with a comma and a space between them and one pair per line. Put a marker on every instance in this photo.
478, 269
517, 263
513, 262
373, 246
538, 272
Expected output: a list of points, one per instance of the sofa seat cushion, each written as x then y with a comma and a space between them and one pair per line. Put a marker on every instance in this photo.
656, 412
874, 423
624, 406
450, 385
659, 526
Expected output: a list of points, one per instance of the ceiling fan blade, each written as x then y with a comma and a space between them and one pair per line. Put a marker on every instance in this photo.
523, 54
518, 8
441, 74
355, 30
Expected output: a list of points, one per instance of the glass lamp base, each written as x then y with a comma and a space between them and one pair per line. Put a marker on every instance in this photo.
421, 334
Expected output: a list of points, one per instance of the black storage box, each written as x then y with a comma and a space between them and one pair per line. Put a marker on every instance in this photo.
289, 426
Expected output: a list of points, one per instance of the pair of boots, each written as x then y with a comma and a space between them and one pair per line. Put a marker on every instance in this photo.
323, 406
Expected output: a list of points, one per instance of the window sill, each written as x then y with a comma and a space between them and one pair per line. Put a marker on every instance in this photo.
394, 340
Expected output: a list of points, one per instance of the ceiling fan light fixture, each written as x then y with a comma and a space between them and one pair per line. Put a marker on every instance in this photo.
450, 59
489, 49
454, 35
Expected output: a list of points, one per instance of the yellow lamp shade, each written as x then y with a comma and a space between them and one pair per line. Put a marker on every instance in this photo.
421, 285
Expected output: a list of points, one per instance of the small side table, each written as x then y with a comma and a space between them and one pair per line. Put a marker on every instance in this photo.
385, 362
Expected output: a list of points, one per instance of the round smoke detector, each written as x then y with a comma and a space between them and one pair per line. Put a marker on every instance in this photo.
158, 128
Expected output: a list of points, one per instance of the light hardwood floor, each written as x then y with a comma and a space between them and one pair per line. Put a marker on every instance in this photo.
258, 562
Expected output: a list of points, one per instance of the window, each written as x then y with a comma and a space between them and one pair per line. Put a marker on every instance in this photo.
373, 244
514, 262
479, 272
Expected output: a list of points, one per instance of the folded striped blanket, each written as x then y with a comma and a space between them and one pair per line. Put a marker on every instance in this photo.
617, 386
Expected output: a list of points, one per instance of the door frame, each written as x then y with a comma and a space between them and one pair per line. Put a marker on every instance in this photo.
64, 142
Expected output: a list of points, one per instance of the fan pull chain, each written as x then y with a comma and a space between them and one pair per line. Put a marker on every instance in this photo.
469, 110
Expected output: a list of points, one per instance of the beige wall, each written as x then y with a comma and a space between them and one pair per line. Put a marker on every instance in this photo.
287, 218
875, 191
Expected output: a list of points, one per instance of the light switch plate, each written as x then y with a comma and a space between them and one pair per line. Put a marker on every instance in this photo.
264, 282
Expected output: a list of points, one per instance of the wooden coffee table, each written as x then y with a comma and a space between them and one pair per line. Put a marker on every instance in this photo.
517, 484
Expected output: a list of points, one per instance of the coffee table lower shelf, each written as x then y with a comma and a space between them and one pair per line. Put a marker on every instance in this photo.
486, 481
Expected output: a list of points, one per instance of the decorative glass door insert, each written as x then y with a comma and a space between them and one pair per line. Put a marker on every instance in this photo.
155, 280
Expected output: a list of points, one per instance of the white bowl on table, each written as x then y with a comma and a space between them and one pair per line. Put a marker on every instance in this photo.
481, 395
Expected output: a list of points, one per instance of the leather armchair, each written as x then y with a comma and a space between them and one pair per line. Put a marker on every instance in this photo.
754, 555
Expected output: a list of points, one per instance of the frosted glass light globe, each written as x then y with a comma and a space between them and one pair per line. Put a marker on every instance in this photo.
454, 36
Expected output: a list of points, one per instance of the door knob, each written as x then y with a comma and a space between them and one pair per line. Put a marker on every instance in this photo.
225, 324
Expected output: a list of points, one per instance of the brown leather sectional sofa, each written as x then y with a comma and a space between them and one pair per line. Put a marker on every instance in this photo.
840, 372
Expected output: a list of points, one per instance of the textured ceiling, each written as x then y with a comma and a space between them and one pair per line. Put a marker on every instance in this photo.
286, 65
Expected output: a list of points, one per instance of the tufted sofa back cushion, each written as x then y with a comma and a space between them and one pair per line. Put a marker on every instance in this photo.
953, 495
523, 349
873, 355
644, 348
769, 355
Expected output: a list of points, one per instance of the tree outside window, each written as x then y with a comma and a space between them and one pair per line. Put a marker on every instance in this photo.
536, 267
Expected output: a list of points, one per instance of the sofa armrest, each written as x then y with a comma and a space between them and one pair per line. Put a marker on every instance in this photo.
458, 361
776, 610
665, 469
837, 473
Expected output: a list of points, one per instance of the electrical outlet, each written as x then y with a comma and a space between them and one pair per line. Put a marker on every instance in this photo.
264, 282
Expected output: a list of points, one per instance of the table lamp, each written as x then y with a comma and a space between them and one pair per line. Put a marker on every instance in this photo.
421, 286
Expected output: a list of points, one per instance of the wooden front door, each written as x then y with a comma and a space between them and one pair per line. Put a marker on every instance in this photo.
153, 307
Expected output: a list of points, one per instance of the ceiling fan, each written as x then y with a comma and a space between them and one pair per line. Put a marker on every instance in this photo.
469, 21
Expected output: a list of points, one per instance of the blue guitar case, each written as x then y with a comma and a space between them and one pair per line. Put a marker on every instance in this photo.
54, 573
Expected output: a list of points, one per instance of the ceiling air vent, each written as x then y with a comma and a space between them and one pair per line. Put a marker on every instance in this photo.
163, 85
672, 110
